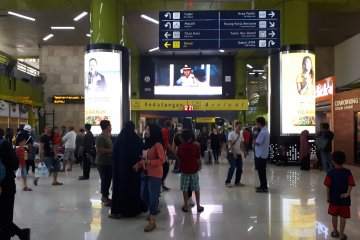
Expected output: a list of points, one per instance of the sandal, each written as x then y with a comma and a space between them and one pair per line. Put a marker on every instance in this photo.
184, 209
200, 209
27, 189
334, 234
344, 237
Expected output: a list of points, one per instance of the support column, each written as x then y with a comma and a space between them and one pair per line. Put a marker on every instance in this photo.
106, 21
295, 22
240, 84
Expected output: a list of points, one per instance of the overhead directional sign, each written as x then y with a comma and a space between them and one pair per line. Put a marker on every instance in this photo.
186, 30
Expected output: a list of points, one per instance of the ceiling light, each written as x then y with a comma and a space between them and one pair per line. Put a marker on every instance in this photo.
20, 50
252, 73
80, 16
88, 35
221, 50
63, 28
258, 70
21, 16
150, 19
48, 37
154, 49
249, 66
264, 77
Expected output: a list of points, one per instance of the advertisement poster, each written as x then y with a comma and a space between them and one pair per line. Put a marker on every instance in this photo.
4, 108
14, 110
297, 93
24, 111
103, 89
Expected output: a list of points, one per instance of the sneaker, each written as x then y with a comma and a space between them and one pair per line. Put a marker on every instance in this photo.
228, 185
115, 216
83, 178
151, 226
262, 190
165, 188
57, 183
256, 188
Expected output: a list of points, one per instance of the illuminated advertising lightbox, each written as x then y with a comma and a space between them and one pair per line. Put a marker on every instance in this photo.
297, 92
102, 87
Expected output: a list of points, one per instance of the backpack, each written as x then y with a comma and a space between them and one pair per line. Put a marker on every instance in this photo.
2, 167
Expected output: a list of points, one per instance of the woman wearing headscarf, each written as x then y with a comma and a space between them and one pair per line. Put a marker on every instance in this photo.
127, 151
304, 150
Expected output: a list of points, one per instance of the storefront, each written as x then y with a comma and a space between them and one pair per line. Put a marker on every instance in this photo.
324, 99
346, 109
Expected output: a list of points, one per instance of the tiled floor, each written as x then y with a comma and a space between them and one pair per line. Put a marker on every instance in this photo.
294, 208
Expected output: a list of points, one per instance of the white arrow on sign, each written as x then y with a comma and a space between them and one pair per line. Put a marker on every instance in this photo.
167, 34
272, 14
168, 25
272, 24
167, 15
272, 34
271, 42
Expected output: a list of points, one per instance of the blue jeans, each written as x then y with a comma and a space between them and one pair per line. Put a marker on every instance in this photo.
326, 160
234, 163
150, 192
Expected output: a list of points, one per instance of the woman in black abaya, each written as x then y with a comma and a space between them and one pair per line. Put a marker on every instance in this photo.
127, 152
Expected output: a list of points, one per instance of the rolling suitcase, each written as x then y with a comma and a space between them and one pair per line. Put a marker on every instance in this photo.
207, 156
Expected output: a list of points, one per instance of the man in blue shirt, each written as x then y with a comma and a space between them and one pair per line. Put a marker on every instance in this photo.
261, 153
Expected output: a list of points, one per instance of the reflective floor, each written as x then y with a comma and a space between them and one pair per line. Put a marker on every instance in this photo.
294, 208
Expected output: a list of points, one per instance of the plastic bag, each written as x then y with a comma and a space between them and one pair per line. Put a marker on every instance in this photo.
41, 170
18, 174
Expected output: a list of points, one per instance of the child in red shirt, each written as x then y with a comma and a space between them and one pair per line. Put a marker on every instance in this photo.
22, 157
339, 182
189, 155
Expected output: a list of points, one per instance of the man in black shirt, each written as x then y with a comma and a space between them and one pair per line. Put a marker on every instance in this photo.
89, 152
326, 153
47, 156
7, 193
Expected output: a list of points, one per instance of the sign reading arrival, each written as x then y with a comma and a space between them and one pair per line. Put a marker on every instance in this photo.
68, 99
197, 105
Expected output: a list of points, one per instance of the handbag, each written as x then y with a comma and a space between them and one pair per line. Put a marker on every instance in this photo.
41, 170
321, 142
144, 172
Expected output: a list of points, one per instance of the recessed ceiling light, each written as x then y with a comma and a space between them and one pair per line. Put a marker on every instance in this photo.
80, 16
154, 49
88, 35
149, 19
221, 50
249, 66
258, 70
20, 50
252, 73
48, 37
21, 16
63, 28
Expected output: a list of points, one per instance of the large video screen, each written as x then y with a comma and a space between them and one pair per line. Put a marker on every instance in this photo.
191, 77
102, 87
297, 92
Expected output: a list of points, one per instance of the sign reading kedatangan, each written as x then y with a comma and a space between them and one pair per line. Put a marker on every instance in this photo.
102, 86
297, 92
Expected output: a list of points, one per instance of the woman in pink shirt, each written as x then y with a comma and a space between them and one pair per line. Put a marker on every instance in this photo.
152, 164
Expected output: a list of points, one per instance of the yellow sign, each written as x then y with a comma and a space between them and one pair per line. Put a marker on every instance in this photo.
199, 105
205, 120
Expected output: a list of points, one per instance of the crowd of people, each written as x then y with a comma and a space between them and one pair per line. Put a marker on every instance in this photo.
137, 167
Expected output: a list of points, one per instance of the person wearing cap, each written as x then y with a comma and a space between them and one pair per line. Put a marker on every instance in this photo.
187, 79
25, 133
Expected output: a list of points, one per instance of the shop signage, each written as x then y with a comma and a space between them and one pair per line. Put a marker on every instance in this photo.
198, 105
68, 99
205, 120
346, 104
325, 89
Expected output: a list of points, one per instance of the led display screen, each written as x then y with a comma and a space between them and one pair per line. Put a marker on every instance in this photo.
188, 77
297, 92
102, 89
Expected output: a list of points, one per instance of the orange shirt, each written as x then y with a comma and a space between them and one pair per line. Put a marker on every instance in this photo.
21, 155
156, 155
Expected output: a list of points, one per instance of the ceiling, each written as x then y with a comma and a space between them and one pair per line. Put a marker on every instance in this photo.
331, 22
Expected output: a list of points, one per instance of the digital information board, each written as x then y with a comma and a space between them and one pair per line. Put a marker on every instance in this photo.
186, 30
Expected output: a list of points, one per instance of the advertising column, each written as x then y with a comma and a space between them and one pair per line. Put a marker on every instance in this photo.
106, 86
